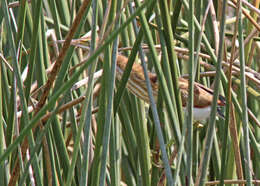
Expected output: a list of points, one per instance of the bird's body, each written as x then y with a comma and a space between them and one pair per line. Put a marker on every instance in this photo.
203, 96
200, 114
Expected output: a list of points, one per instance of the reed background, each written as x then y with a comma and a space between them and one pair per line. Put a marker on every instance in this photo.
54, 133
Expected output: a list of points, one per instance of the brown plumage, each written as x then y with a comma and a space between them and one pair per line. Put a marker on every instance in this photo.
203, 96
136, 82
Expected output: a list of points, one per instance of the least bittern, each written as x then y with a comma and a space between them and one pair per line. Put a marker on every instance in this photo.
203, 96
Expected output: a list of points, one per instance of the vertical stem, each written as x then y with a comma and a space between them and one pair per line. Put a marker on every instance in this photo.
189, 121
209, 139
244, 97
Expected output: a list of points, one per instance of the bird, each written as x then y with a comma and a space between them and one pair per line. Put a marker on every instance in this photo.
203, 96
